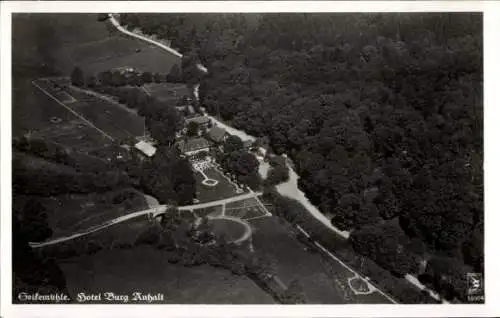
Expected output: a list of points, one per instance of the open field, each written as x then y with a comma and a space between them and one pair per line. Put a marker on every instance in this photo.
180, 285
224, 189
229, 229
71, 213
79, 39
75, 134
33, 110
167, 91
323, 280
126, 234
111, 119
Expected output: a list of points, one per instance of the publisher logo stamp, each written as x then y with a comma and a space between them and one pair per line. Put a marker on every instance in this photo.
475, 287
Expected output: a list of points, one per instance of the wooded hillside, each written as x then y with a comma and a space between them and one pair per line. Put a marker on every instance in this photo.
382, 114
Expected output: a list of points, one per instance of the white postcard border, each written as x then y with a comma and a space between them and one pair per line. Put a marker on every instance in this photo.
492, 171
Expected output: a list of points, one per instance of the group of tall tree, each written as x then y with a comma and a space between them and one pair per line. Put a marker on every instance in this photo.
118, 78
381, 113
168, 177
239, 162
32, 272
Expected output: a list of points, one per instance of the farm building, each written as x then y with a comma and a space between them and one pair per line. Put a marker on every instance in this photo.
146, 148
193, 146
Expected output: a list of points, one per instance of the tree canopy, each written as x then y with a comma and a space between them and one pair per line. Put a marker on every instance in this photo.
77, 76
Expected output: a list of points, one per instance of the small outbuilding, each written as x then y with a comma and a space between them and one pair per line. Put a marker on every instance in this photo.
146, 148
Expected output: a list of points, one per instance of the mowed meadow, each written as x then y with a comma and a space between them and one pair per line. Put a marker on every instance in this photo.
68, 40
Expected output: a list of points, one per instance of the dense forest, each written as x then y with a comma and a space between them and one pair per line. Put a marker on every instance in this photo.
381, 113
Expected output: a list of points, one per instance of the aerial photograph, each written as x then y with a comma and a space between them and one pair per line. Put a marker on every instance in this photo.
247, 158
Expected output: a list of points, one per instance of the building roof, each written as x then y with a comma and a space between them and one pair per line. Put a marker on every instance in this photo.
193, 144
146, 148
200, 120
217, 134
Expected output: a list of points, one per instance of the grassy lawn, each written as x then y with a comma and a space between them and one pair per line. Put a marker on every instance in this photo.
112, 119
324, 280
230, 229
70, 213
120, 272
149, 59
398, 288
167, 91
79, 39
212, 211
224, 189
32, 110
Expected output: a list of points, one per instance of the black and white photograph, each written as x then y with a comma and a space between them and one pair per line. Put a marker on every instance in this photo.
281, 158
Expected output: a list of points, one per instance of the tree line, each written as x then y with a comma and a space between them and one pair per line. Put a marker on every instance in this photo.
117, 78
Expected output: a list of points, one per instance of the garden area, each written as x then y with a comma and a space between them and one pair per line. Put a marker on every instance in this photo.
210, 211
223, 189
245, 209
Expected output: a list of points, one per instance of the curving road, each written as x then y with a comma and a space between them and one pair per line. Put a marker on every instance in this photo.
117, 25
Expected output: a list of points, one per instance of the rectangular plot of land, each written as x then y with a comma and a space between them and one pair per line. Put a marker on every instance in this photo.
56, 89
242, 204
245, 209
110, 120
64, 97
73, 134
115, 121
212, 211
167, 91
